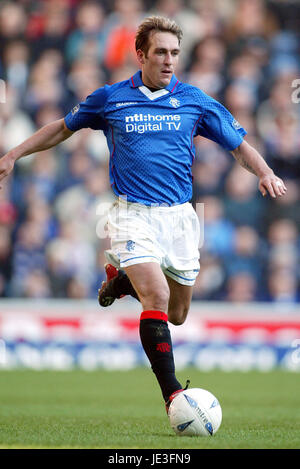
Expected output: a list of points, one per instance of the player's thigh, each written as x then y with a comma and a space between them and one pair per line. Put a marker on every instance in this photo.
179, 301
151, 285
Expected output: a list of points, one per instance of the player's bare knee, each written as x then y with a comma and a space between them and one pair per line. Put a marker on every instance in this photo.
161, 299
176, 321
156, 300
177, 318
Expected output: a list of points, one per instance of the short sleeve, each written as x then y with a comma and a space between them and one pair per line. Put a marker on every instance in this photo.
89, 113
219, 125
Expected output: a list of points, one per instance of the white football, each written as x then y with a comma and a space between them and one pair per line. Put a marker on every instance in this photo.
195, 412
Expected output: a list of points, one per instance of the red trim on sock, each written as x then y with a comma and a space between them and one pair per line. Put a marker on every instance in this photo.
154, 315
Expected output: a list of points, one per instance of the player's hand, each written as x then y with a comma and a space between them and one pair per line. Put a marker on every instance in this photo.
6, 166
273, 185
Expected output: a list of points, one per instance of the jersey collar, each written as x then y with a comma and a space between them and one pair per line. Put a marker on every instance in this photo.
136, 81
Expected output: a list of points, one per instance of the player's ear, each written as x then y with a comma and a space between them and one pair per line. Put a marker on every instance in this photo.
140, 56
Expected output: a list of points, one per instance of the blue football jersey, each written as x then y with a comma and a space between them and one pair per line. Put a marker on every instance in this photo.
150, 135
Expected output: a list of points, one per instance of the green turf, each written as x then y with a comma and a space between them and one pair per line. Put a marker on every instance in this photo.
78, 409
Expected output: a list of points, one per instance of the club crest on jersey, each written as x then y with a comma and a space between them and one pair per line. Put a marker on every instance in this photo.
174, 102
75, 109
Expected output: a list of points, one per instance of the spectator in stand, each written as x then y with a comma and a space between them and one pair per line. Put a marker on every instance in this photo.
48, 26
58, 270
13, 22
248, 20
29, 255
218, 231
283, 287
43, 177
185, 14
213, 16
39, 212
241, 100
277, 102
5, 260
283, 258
46, 82
85, 203
206, 66
15, 124
120, 41
283, 242
75, 169
242, 204
245, 68
287, 207
282, 144
210, 282
84, 74
99, 273
16, 63
241, 288
247, 253
77, 288
71, 255
88, 38
210, 167
8, 210
36, 285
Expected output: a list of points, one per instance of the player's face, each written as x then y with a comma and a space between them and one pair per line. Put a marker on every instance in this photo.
159, 64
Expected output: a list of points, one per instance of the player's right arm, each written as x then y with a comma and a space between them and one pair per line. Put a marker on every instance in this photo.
47, 137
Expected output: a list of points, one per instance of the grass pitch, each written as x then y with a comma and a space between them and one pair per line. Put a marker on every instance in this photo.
103, 409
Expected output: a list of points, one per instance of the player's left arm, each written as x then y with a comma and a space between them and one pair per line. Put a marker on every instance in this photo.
251, 160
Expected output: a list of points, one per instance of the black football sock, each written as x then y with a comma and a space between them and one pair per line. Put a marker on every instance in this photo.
120, 285
156, 341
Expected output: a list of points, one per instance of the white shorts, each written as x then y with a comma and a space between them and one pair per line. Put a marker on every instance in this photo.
166, 235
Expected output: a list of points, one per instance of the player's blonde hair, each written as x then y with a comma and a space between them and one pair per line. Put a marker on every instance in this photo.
155, 24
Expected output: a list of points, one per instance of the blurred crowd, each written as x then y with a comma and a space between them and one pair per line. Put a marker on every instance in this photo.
243, 53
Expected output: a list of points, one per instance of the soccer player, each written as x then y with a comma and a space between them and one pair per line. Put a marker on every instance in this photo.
150, 121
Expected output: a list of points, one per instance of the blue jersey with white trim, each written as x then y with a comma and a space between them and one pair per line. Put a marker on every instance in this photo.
150, 135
